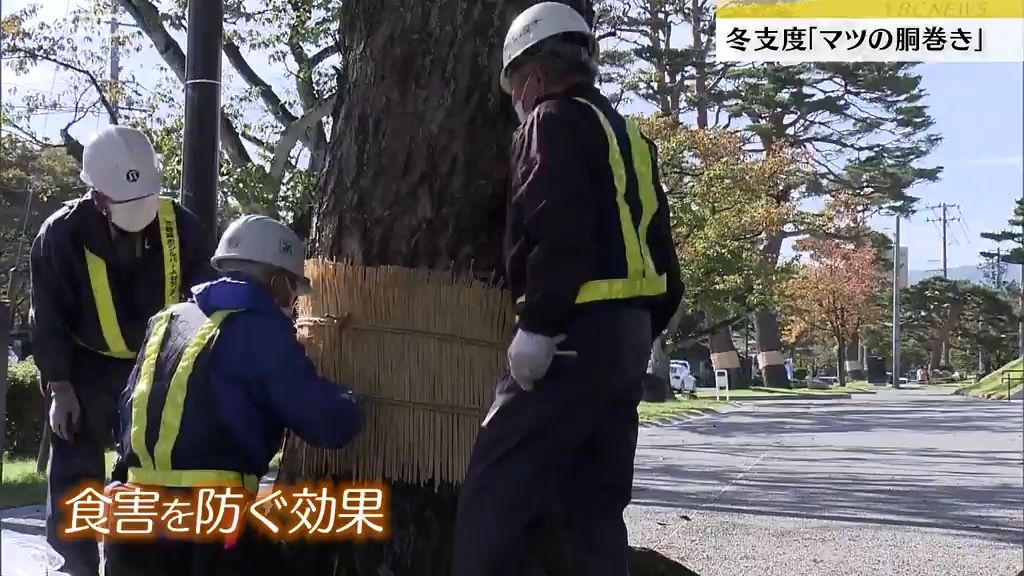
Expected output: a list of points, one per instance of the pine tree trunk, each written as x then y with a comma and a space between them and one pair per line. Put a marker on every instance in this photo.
940, 348
841, 356
766, 323
657, 383
854, 365
768, 341
720, 342
417, 177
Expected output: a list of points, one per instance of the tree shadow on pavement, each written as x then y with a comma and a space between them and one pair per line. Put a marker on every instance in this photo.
934, 415
780, 471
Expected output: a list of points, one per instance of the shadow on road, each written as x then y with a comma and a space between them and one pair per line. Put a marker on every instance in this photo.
798, 469
945, 416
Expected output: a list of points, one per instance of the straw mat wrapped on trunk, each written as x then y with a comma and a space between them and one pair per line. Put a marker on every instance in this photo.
422, 349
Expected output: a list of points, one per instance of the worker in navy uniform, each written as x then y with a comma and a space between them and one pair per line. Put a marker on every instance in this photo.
219, 379
101, 266
593, 269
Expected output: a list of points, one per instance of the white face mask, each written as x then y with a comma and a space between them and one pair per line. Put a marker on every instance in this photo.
135, 215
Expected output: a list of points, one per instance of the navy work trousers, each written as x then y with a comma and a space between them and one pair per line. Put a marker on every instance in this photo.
98, 384
252, 555
566, 446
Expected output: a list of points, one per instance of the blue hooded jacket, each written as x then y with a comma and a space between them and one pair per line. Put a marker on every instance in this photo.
263, 382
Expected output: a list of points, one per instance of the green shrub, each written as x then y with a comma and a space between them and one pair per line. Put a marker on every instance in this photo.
800, 374
24, 408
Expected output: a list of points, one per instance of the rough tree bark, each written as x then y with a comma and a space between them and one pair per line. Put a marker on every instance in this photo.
841, 355
766, 324
657, 385
855, 366
417, 177
721, 342
939, 344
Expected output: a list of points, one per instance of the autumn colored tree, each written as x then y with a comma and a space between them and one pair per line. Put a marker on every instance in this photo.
835, 292
34, 182
722, 204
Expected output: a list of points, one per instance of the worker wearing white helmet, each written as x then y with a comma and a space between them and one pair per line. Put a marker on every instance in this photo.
592, 266
250, 380
101, 267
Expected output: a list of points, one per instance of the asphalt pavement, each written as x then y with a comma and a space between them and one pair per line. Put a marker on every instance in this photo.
902, 483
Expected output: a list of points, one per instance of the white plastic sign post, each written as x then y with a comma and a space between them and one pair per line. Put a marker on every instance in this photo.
722, 383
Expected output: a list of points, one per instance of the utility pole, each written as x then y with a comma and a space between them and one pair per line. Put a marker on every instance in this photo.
200, 163
896, 306
945, 220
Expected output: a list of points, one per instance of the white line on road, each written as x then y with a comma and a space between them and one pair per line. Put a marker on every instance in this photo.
675, 529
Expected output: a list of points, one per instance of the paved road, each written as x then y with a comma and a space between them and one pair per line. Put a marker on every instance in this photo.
902, 483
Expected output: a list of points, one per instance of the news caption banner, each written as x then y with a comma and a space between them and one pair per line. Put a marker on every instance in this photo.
315, 511
869, 31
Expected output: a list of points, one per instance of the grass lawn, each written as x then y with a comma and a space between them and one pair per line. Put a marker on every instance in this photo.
739, 392
655, 411
810, 391
992, 386
742, 393
22, 486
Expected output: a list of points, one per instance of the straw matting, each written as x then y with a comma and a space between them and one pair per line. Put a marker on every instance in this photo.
422, 349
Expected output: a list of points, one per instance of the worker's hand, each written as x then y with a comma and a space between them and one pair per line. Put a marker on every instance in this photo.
529, 357
65, 410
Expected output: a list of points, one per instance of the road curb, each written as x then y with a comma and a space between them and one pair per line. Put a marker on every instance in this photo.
29, 520
693, 414
786, 397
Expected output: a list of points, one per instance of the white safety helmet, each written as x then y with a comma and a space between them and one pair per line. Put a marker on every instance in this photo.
263, 240
536, 24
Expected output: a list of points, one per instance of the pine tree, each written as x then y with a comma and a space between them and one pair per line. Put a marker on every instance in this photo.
1015, 236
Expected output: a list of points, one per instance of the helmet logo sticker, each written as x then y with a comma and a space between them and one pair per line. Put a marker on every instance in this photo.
286, 247
132, 175
233, 242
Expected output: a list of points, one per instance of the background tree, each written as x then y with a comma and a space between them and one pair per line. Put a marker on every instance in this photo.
931, 310
834, 293
33, 184
865, 126
660, 52
274, 138
986, 335
1015, 237
722, 205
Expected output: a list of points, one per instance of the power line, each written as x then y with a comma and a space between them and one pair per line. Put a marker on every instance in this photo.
965, 227
53, 80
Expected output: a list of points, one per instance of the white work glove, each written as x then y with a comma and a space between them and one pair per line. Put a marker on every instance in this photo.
529, 357
64, 410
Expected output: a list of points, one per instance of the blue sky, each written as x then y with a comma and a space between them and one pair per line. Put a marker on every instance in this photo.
977, 108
